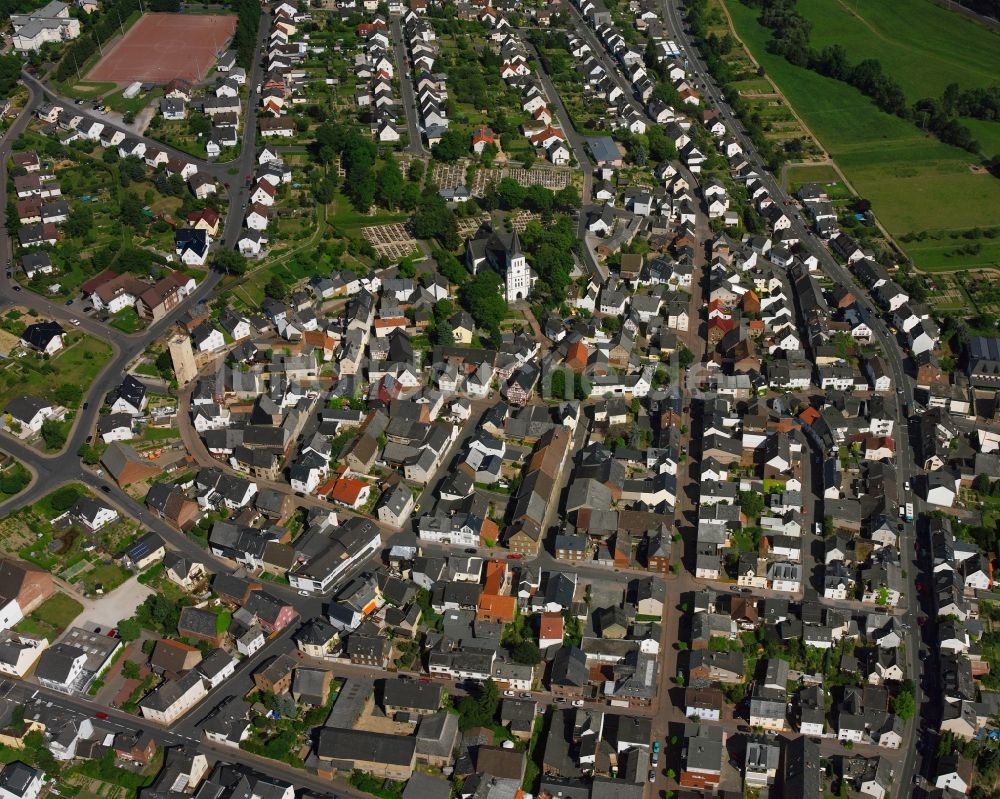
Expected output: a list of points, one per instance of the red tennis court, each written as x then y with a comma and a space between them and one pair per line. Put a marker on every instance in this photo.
163, 46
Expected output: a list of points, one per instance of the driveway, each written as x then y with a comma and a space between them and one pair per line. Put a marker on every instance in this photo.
110, 608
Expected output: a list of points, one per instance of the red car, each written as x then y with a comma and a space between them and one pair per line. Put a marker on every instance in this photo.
101, 715
514, 556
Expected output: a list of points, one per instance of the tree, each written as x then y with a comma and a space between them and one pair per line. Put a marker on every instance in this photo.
451, 147
567, 199
450, 267
325, 189
130, 670
480, 707
68, 394
159, 612
53, 434
64, 498
752, 504
389, 191
229, 261
904, 705
14, 482
10, 71
557, 385
981, 485
81, 220
276, 288
434, 220
527, 653
130, 211
164, 364
129, 630
685, 357
483, 298
415, 172
89, 454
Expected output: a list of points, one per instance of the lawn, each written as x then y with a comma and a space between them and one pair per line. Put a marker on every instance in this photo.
53, 616
349, 221
107, 90
915, 183
819, 173
126, 320
154, 435
104, 576
77, 365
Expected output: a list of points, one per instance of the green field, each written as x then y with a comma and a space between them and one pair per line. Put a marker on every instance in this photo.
932, 48
915, 183
53, 616
78, 365
936, 47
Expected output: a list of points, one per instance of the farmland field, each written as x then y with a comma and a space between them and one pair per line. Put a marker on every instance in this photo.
916, 184
934, 48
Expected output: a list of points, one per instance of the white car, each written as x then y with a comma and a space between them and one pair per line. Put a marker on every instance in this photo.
303, 593
577, 703
508, 693
75, 322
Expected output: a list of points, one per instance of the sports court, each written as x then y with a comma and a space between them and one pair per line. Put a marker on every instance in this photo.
164, 46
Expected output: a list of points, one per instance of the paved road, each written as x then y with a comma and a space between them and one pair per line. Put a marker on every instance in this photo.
600, 52
906, 468
65, 465
416, 145
31, 696
577, 144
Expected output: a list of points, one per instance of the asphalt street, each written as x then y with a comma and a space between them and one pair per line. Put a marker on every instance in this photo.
407, 89
905, 465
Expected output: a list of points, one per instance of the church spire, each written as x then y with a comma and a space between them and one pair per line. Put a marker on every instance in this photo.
515, 246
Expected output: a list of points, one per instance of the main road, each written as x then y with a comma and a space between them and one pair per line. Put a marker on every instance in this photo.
416, 145
906, 468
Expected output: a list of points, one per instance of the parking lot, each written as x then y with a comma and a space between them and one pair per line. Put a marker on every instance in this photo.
107, 610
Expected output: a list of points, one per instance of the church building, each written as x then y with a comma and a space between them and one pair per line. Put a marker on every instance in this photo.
503, 253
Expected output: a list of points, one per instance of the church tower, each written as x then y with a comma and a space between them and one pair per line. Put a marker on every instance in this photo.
517, 272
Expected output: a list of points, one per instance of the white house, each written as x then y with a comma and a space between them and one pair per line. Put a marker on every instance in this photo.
19, 652
60, 667
19, 780
25, 414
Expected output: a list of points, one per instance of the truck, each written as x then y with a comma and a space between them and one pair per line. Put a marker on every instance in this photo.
909, 511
